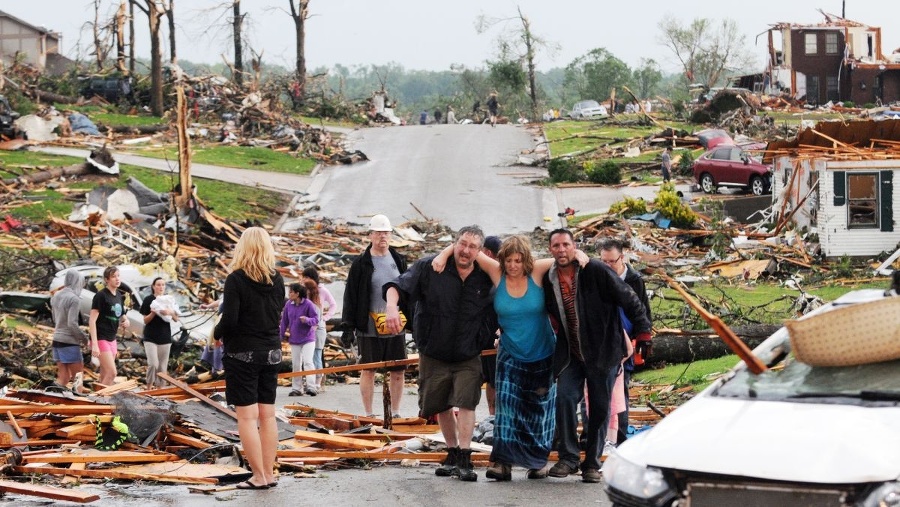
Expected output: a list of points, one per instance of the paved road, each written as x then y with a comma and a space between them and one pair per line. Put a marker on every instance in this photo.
456, 174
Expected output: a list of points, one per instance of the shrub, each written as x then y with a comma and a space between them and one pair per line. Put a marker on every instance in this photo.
630, 206
670, 205
564, 170
607, 172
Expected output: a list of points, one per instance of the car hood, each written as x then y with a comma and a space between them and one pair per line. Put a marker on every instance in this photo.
801, 442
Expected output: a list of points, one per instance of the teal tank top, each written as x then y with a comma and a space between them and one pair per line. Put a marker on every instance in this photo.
527, 335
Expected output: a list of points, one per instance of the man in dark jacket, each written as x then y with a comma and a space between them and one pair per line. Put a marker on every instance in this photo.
612, 253
378, 265
451, 326
584, 304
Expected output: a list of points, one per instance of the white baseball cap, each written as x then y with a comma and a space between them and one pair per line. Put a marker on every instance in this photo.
380, 223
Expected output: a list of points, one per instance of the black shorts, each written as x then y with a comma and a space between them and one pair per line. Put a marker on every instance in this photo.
375, 349
489, 369
249, 383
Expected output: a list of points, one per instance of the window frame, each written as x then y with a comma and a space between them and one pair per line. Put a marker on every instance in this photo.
853, 220
831, 46
811, 43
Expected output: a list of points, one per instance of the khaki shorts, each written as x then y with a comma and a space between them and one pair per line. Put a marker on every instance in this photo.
443, 385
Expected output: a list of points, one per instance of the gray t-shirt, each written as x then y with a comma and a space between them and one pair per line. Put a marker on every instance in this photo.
385, 271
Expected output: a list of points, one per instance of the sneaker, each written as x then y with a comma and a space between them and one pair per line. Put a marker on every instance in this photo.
591, 475
78, 382
312, 392
561, 469
608, 447
396, 416
464, 465
499, 472
537, 473
448, 467
295, 392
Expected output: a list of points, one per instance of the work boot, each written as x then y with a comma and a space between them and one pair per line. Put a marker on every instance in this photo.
464, 465
448, 467
499, 472
561, 469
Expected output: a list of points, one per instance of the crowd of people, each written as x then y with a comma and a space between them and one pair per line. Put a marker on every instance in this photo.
564, 329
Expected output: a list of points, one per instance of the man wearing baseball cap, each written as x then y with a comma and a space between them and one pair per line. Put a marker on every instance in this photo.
376, 266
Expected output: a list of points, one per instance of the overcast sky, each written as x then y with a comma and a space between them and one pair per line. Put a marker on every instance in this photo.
434, 34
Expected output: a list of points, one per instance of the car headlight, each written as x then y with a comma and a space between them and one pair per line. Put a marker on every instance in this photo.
886, 495
632, 478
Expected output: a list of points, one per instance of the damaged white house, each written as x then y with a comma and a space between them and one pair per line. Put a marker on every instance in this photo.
837, 180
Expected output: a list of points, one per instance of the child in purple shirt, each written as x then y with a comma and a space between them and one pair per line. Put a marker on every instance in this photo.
298, 327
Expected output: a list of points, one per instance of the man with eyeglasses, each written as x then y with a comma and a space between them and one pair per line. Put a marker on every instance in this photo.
583, 303
612, 253
378, 265
454, 321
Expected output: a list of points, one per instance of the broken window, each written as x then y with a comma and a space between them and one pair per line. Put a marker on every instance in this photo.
862, 200
831, 88
811, 43
831, 43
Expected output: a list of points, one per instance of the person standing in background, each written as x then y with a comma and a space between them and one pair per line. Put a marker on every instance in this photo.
299, 321
157, 334
327, 309
107, 318
451, 116
493, 107
667, 164
612, 253
363, 298
68, 338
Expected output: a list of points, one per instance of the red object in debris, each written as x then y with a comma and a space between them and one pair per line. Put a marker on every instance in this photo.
10, 223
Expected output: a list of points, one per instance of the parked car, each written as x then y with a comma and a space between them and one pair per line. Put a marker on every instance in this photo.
587, 109
795, 435
136, 286
731, 166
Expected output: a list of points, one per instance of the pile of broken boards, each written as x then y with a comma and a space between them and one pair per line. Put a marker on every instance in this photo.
179, 435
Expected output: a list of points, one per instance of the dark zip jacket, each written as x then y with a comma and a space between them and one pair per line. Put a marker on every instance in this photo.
598, 294
355, 312
453, 317
251, 313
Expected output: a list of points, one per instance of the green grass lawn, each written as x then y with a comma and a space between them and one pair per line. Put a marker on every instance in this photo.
228, 200
242, 157
107, 115
698, 374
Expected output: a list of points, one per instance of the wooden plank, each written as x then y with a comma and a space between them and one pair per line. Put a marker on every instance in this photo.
336, 441
69, 478
197, 394
15, 424
196, 443
113, 474
59, 409
397, 456
70, 495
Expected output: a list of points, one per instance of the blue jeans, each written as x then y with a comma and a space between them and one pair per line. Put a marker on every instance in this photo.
569, 392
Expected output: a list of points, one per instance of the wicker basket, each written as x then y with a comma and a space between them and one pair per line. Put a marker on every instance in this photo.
857, 334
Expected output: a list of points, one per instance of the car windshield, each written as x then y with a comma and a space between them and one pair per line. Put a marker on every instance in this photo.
875, 382
587, 104
175, 289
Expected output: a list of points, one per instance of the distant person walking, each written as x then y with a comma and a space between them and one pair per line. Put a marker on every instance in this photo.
493, 107
667, 164
326, 307
451, 116
67, 336
423, 117
299, 321
437, 116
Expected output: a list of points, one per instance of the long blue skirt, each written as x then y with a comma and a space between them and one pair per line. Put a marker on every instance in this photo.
525, 415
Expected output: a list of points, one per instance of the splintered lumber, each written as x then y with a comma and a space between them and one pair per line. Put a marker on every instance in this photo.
59, 409
70, 495
396, 456
196, 443
114, 473
336, 441
197, 394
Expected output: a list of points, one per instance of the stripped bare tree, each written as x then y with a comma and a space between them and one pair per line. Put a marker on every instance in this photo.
102, 31
121, 14
299, 13
170, 14
154, 9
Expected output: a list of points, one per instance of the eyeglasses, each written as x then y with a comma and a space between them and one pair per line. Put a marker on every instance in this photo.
612, 262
